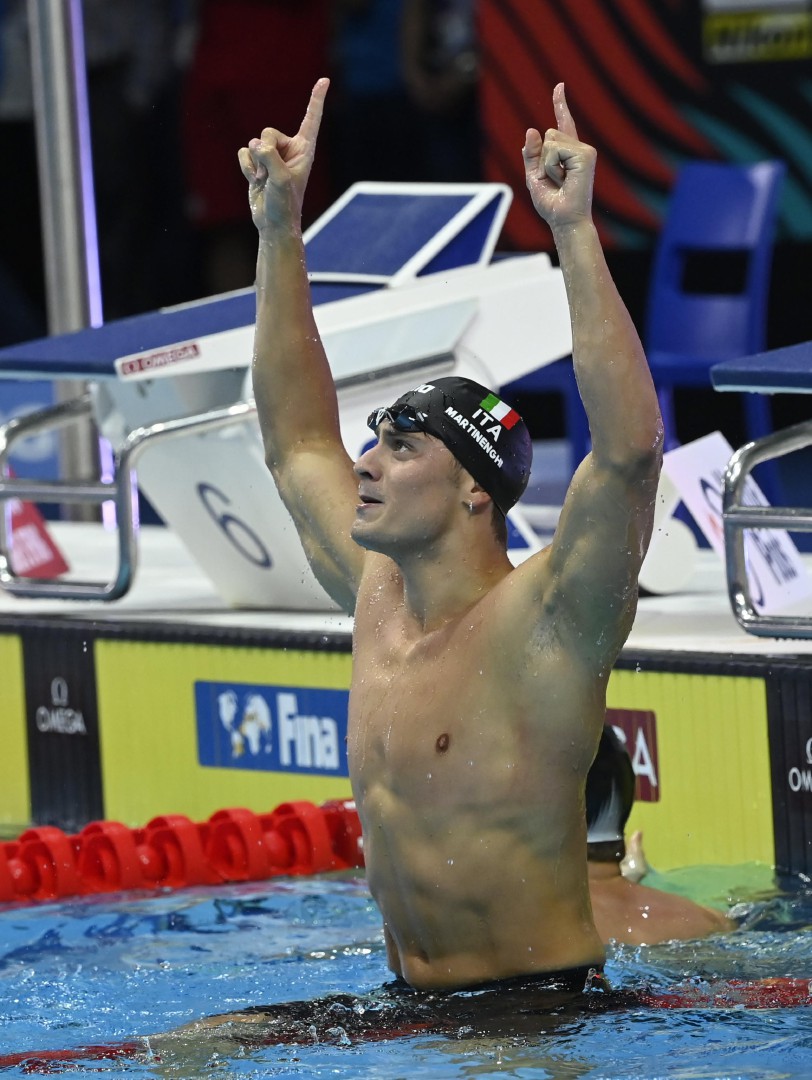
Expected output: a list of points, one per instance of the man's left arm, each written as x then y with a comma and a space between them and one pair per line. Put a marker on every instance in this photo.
589, 577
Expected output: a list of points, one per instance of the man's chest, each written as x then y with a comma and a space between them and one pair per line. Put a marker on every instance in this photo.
440, 716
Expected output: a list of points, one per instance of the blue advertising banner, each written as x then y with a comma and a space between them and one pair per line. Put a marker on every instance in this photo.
289, 729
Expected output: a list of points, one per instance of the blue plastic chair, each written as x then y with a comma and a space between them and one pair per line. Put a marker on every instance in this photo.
714, 209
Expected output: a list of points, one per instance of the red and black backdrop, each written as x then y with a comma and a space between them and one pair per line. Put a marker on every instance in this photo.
652, 83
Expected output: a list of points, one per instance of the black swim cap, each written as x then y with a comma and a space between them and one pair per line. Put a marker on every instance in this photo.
609, 790
484, 433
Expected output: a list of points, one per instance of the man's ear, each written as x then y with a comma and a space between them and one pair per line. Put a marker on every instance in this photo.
476, 497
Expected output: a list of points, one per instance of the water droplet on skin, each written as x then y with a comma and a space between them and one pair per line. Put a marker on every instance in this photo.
450, 862
428, 776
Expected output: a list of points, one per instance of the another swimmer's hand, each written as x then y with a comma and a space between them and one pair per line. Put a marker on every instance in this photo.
634, 866
277, 167
559, 169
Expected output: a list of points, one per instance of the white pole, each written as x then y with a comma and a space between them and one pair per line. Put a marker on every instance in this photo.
70, 243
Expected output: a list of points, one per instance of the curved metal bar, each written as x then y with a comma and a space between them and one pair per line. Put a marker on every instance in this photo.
120, 491
737, 518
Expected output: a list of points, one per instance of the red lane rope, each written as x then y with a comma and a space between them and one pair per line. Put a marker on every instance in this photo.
173, 852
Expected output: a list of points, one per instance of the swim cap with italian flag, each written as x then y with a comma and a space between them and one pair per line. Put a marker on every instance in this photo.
485, 434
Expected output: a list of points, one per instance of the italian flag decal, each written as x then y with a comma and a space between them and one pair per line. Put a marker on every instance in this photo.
500, 411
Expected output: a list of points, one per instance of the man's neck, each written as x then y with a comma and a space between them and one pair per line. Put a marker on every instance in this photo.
438, 590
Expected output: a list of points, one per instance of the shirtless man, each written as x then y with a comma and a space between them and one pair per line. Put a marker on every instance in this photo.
625, 911
478, 690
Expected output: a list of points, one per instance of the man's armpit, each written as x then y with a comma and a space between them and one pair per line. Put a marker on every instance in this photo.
340, 583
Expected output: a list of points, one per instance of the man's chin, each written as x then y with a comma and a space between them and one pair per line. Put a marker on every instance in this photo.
364, 536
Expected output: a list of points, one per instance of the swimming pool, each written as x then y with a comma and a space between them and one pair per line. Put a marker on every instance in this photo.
100, 970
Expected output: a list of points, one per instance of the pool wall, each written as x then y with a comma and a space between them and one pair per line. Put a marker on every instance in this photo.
127, 721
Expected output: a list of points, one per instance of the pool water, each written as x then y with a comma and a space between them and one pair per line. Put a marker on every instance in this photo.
99, 970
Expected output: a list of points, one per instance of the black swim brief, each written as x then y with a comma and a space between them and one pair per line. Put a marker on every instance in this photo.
524, 1005
573, 980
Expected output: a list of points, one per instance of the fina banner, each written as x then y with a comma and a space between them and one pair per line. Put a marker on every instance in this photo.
637, 730
272, 728
778, 577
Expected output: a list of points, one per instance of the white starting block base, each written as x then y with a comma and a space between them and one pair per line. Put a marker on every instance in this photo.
171, 590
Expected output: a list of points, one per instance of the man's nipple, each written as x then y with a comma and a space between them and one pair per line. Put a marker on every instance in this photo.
442, 743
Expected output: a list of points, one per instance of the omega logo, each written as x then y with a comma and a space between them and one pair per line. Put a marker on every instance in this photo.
801, 779
60, 717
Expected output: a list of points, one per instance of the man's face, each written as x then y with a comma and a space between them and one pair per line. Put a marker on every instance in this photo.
411, 489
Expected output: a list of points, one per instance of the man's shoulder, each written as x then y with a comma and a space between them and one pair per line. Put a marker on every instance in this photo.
664, 904
380, 576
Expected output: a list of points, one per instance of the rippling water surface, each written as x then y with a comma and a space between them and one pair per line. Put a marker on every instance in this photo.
99, 970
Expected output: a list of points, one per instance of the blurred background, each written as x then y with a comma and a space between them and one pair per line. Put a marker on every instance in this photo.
422, 90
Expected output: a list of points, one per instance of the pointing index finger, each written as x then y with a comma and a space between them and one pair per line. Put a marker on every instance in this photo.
309, 127
563, 117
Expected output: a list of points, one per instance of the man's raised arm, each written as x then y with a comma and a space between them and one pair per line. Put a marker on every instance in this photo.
293, 385
605, 523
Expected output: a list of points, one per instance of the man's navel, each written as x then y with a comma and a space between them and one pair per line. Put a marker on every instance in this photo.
442, 743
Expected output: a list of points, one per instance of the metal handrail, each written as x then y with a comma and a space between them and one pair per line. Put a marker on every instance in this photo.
737, 518
120, 491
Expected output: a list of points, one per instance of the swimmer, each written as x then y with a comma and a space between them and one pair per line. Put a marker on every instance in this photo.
478, 689
625, 911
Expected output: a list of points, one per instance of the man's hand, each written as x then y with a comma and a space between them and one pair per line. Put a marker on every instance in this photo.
559, 169
635, 865
277, 167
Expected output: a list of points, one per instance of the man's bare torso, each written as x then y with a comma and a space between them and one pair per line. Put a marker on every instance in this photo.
468, 778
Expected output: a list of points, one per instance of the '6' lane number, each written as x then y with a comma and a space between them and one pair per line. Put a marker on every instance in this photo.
242, 536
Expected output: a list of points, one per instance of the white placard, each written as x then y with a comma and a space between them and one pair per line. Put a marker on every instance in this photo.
777, 576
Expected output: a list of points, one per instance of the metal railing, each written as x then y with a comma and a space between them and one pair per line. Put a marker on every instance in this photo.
737, 518
121, 491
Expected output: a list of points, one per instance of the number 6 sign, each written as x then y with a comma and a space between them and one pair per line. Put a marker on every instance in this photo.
215, 492
242, 536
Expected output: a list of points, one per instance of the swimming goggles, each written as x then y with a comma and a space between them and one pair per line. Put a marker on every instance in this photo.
401, 417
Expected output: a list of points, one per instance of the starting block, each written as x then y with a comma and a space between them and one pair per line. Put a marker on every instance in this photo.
404, 289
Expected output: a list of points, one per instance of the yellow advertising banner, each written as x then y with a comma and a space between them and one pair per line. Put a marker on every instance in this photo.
192, 729
702, 760
757, 35
15, 798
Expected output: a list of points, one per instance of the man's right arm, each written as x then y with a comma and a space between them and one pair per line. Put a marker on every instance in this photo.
588, 576
293, 385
